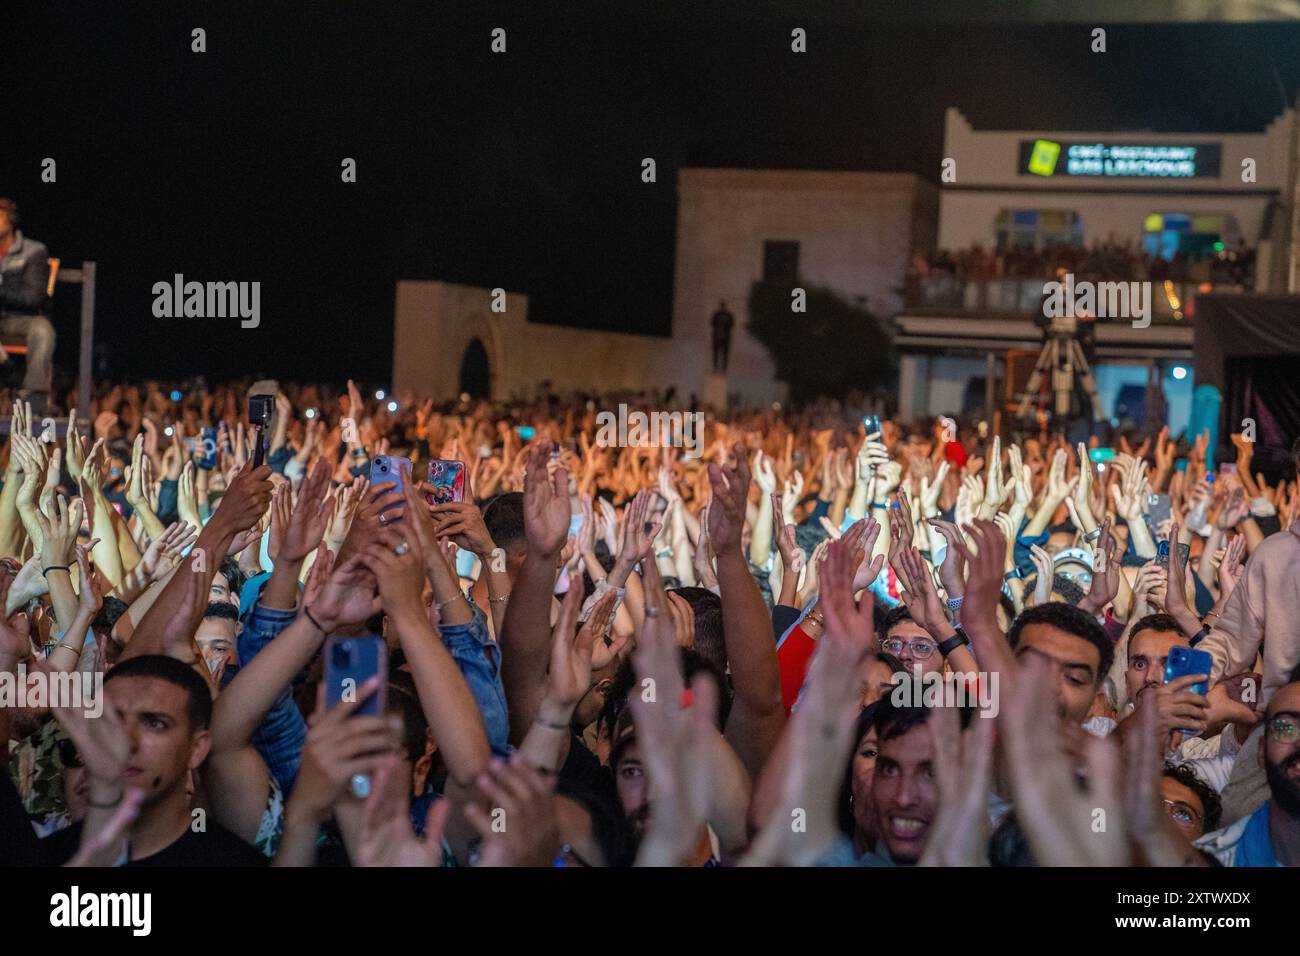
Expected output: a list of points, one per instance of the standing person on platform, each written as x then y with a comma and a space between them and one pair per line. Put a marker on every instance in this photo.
723, 322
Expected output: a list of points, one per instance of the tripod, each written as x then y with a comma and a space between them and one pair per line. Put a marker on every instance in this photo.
1063, 356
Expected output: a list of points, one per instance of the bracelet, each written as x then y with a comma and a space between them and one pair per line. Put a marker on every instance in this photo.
550, 725
1092, 535
1199, 636
311, 617
107, 806
56, 567
449, 600
499, 600
954, 604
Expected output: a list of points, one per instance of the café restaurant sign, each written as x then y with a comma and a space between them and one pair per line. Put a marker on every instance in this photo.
1045, 157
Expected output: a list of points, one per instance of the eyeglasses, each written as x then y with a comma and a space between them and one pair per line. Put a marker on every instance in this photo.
68, 755
1284, 729
921, 649
1181, 812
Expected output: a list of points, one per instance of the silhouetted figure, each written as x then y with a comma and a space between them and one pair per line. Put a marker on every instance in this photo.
723, 322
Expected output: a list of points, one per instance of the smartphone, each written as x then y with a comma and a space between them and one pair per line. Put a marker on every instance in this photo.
872, 424
390, 468
448, 480
349, 663
526, 432
1162, 553
1102, 454
1187, 660
208, 446
260, 410
1158, 509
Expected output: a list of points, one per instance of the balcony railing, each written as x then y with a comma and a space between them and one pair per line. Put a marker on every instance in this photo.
1171, 301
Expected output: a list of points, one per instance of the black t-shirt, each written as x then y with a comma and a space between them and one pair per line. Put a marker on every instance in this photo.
215, 847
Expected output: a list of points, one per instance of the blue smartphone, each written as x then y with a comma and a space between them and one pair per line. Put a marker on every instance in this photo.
349, 663
390, 468
1185, 660
527, 432
208, 446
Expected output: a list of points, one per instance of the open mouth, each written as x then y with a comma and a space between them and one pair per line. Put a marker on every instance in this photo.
908, 828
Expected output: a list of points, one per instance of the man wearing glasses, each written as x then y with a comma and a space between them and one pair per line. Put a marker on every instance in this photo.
1271, 835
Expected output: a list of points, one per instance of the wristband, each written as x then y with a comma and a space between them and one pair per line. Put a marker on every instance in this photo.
951, 644
56, 567
1013, 574
954, 604
1199, 636
311, 617
1092, 535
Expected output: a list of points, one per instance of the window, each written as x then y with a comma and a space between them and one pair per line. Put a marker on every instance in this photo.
1037, 228
780, 261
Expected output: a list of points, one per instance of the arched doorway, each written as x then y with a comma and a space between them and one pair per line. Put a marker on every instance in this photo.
475, 373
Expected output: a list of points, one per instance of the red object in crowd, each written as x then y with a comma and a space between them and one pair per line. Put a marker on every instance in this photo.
955, 452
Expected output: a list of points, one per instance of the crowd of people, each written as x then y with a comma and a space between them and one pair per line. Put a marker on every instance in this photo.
810, 644
1110, 260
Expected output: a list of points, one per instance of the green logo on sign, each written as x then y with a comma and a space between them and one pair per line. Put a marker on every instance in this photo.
1042, 161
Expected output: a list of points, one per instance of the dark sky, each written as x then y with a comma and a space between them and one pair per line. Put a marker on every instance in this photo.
519, 170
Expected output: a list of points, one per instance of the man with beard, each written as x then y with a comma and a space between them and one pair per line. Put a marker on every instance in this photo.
1271, 835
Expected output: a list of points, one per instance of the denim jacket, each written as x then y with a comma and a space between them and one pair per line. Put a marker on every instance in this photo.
283, 733
479, 660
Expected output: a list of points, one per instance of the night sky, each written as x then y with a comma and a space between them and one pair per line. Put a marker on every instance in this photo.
519, 170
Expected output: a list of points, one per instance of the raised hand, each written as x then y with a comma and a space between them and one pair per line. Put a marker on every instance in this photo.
1231, 567
340, 745
952, 573
1045, 577
963, 770
546, 503
674, 744
1056, 814
1105, 573
296, 530
525, 799
730, 484
165, 552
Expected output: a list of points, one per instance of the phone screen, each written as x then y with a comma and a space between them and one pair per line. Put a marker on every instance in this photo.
1102, 454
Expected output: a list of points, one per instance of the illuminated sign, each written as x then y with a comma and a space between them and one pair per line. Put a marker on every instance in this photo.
1045, 157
